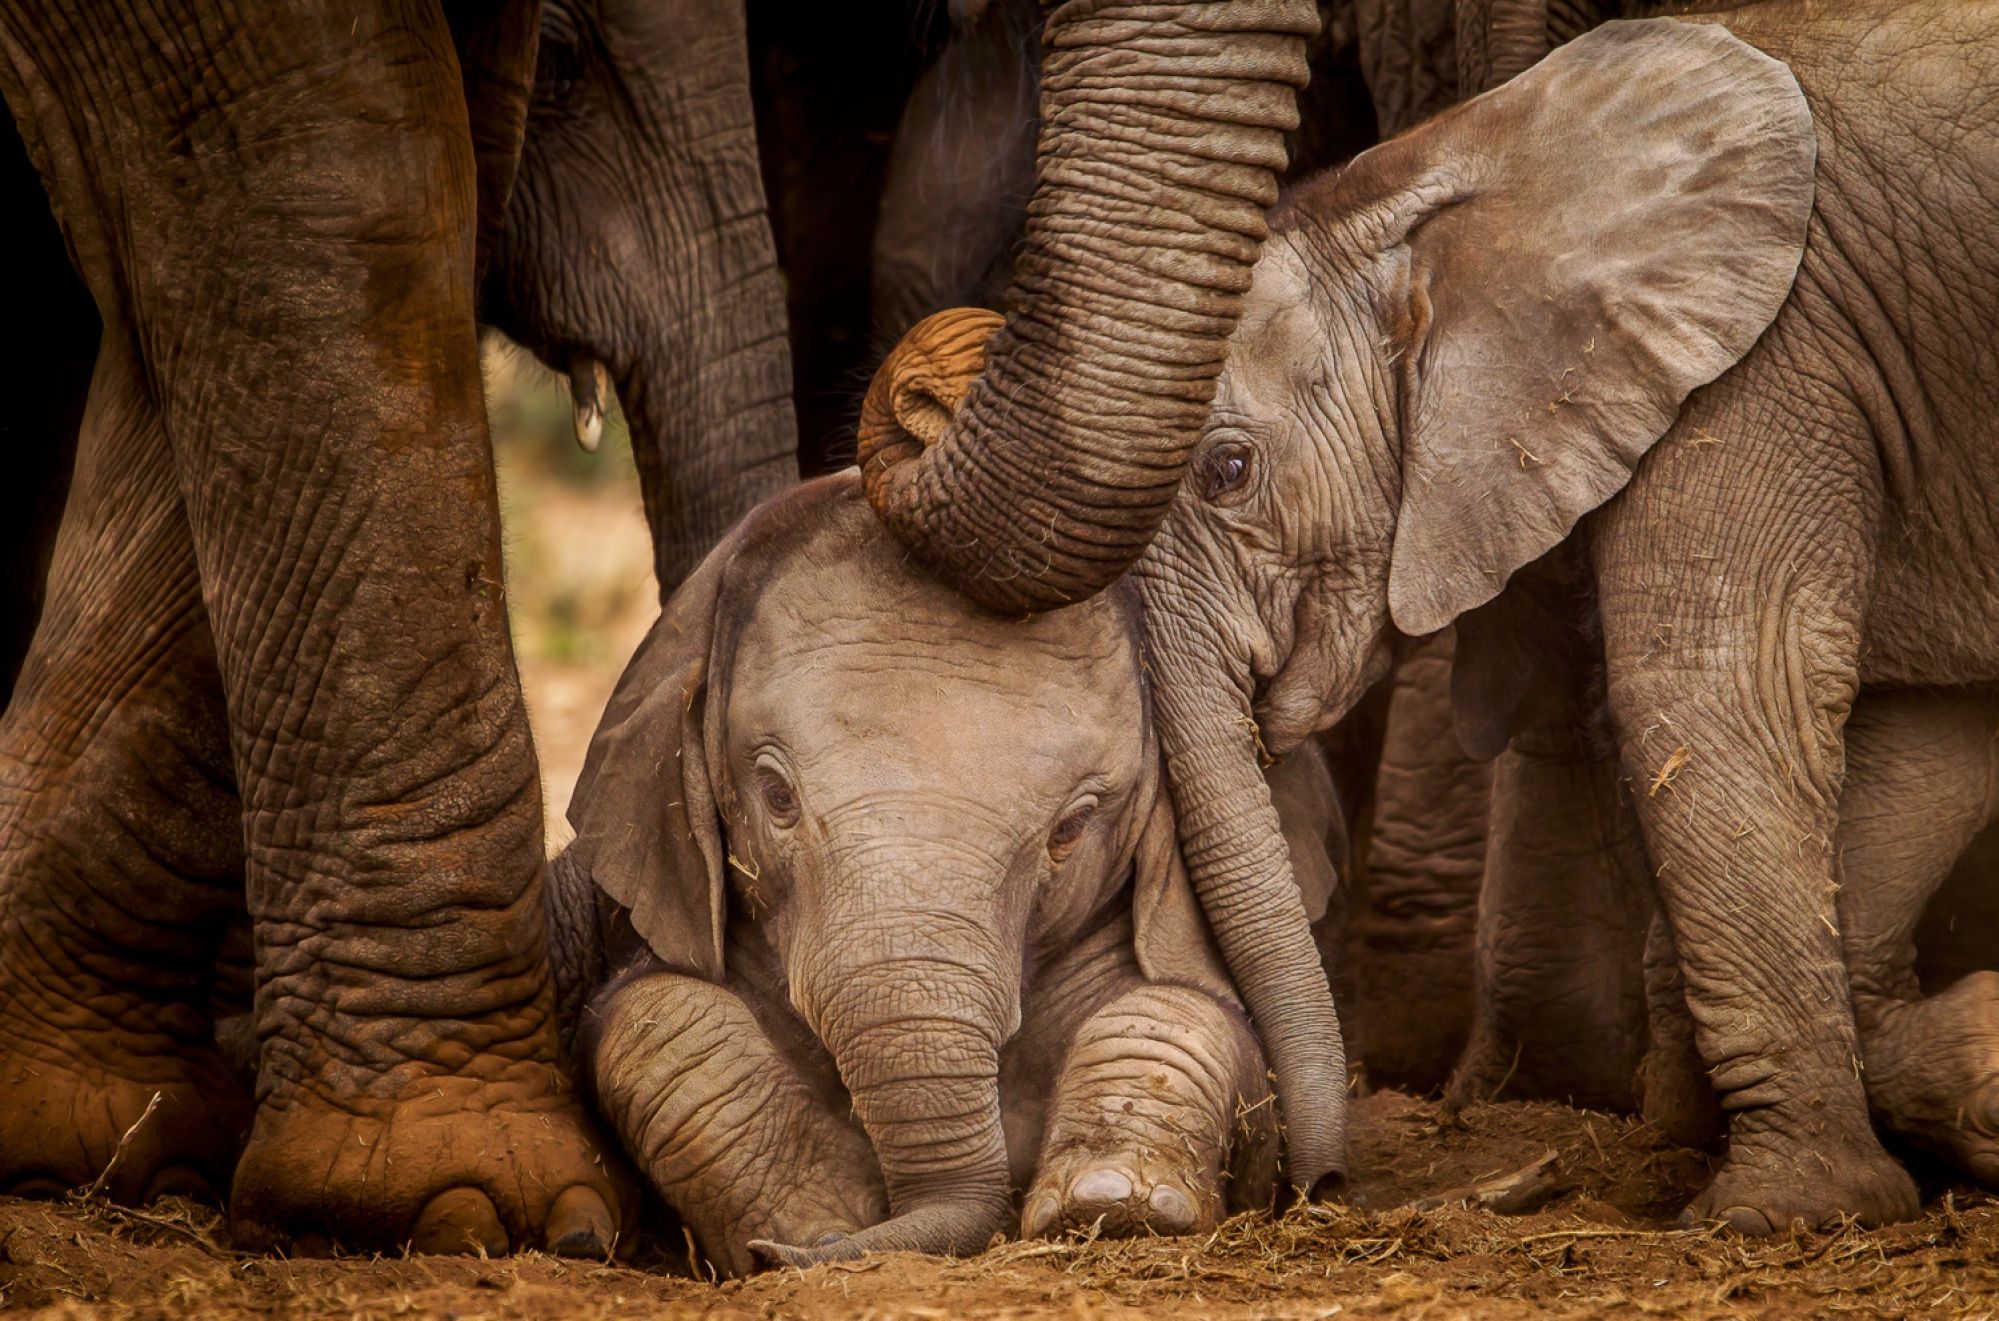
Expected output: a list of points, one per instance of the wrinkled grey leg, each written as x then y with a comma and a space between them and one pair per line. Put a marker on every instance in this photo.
743, 1140
1922, 769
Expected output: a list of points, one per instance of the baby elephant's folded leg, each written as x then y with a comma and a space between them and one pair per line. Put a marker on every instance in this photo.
738, 1138
1162, 1103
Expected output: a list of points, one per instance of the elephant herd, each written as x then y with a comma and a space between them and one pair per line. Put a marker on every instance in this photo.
1466, 522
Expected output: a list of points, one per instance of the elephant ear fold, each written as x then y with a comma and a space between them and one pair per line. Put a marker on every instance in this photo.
1314, 827
647, 828
1172, 937
1169, 932
1567, 258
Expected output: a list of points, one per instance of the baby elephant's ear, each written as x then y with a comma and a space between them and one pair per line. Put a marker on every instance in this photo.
644, 810
1572, 254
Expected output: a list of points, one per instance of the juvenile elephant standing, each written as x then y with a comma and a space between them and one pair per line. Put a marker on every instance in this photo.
1634, 281
900, 922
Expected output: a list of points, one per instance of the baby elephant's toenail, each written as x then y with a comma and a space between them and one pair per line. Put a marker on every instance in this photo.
1099, 1186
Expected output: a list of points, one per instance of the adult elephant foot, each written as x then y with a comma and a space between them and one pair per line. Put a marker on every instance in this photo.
454, 1164
1772, 1182
101, 1087
120, 845
1933, 1072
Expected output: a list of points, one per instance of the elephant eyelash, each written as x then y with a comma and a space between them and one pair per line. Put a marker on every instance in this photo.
1063, 838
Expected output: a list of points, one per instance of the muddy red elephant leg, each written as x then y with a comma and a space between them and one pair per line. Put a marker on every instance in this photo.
120, 858
293, 238
1737, 774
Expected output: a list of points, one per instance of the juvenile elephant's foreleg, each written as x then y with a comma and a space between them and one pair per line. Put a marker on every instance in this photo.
742, 1142
1734, 578
120, 851
1922, 779
1162, 1110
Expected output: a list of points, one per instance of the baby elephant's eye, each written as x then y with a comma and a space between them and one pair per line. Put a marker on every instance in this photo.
1068, 830
780, 799
1224, 471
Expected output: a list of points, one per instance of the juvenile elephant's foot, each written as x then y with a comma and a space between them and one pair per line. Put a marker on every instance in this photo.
1161, 1104
452, 1165
1768, 1185
149, 1115
1933, 1071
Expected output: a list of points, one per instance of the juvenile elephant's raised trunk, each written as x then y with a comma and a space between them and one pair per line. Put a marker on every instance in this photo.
1162, 132
1240, 867
917, 1044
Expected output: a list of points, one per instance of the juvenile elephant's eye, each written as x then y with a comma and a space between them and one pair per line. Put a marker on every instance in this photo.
1224, 471
780, 799
1068, 830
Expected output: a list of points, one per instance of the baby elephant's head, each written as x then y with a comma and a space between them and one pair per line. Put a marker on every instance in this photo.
908, 796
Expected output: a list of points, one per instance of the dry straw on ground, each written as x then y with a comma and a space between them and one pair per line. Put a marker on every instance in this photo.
1602, 1247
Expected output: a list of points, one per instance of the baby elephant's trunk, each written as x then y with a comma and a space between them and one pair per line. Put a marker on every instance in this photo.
917, 1042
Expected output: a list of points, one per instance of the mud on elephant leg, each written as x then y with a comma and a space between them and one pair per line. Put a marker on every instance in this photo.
321, 396
1162, 1101
1922, 779
742, 1142
1736, 765
120, 857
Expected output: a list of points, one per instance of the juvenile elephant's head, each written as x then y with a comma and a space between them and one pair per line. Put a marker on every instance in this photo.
910, 796
1454, 349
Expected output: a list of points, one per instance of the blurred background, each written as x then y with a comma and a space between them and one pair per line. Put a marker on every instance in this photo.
579, 561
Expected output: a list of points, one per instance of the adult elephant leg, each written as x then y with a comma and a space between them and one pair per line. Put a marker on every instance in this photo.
293, 239
1922, 780
1412, 935
1560, 999
120, 854
637, 240
1729, 684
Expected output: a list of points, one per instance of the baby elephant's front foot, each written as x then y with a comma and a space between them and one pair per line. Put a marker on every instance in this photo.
1933, 1071
1161, 1100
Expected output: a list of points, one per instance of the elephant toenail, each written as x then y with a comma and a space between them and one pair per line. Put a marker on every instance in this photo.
459, 1221
311, 1245
580, 1224
39, 1188
1172, 1210
1038, 1215
1099, 1186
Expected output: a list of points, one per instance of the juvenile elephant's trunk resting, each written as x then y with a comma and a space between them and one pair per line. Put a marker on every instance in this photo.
917, 1043
1146, 217
1240, 867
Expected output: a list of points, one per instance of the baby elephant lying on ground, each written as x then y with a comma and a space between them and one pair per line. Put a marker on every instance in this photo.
889, 917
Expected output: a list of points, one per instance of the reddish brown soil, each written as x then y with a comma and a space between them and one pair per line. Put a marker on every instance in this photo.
1596, 1250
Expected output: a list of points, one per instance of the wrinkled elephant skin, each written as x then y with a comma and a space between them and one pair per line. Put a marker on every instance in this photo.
1415, 412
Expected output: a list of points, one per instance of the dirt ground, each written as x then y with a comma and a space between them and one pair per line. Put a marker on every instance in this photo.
1600, 1248
582, 595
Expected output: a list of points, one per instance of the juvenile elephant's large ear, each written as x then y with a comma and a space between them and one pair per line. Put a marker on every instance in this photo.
644, 807
1572, 254
1169, 931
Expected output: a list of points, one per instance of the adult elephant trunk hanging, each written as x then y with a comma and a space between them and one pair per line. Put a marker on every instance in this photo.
1162, 132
